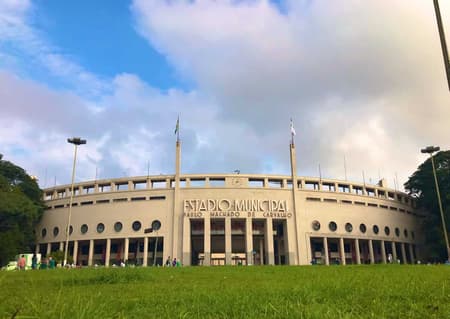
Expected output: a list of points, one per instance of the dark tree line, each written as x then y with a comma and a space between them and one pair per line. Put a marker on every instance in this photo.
21, 207
422, 186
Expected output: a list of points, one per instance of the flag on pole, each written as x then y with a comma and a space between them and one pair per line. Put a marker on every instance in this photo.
177, 126
292, 128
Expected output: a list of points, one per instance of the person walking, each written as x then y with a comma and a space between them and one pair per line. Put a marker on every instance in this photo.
51, 263
34, 262
21, 262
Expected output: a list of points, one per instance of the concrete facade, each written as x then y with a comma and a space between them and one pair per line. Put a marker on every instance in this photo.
229, 219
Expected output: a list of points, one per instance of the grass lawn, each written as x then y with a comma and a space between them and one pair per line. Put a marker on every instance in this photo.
379, 291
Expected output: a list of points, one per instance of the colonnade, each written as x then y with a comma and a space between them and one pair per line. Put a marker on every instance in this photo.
264, 248
387, 252
140, 254
260, 246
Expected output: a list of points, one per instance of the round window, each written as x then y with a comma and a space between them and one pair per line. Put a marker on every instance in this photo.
375, 229
70, 230
156, 225
349, 227
387, 230
118, 226
100, 228
84, 228
362, 228
44, 232
315, 225
397, 232
55, 231
405, 232
136, 225
332, 226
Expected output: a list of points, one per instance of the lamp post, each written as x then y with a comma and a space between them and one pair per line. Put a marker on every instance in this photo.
156, 225
443, 42
430, 150
76, 141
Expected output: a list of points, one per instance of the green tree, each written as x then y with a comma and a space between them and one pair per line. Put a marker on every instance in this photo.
21, 207
422, 186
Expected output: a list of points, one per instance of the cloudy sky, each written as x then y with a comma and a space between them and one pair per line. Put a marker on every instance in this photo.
362, 80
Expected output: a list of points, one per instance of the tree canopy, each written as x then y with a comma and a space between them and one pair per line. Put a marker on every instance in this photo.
421, 185
21, 207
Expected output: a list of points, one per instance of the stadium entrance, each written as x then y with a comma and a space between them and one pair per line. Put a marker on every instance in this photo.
237, 241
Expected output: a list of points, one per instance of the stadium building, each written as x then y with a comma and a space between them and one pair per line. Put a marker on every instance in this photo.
230, 219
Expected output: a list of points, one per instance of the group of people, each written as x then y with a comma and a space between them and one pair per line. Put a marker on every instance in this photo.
172, 262
49, 263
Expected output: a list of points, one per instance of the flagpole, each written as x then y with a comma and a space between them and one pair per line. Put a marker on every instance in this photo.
177, 129
292, 132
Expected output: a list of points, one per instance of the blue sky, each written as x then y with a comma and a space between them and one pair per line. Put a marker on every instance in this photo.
357, 77
101, 36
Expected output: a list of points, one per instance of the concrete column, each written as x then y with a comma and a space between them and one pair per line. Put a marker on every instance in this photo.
207, 241
61, 246
403, 253
49, 249
302, 183
269, 242
278, 262
130, 185
91, 252
261, 251
107, 252
75, 251
383, 252
36, 249
394, 252
411, 253
299, 245
228, 248
372, 259
125, 249
186, 242
358, 254
325, 247
291, 243
249, 241
342, 251
145, 256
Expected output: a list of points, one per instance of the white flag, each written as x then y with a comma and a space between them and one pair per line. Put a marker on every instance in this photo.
292, 128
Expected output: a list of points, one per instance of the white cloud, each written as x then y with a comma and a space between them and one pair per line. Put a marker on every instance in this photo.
359, 78
362, 79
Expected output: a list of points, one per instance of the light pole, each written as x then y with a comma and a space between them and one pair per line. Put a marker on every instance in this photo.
430, 150
156, 225
75, 141
443, 42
